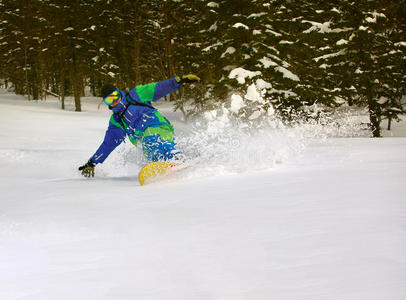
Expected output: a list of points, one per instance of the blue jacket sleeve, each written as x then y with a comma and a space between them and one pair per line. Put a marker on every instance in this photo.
114, 136
154, 91
165, 87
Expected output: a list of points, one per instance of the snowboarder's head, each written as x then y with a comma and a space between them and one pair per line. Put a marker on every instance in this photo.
111, 95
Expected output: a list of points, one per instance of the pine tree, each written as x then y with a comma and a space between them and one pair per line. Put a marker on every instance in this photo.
294, 53
393, 80
21, 35
363, 70
229, 43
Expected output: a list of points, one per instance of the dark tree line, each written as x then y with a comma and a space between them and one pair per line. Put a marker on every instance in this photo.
304, 52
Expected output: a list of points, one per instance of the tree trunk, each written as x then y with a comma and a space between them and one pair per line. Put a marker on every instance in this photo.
137, 46
374, 116
137, 54
63, 90
77, 90
76, 80
34, 82
26, 74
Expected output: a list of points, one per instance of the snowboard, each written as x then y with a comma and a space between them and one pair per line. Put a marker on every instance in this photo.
155, 170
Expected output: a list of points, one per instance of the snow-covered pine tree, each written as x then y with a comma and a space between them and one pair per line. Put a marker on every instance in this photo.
393, 81
182, 23
13, 46
210, 38
107, 48
319, 19
289, 66
363, 74
224, 37
232, 43
21, 46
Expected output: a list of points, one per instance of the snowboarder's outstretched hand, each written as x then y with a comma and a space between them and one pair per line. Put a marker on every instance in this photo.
187, 78
88, 169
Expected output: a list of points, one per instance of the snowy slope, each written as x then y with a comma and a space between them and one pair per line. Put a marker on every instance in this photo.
319, 219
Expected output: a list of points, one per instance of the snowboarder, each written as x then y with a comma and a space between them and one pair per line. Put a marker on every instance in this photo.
134, 116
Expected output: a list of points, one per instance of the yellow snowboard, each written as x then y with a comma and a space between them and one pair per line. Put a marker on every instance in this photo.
153, 170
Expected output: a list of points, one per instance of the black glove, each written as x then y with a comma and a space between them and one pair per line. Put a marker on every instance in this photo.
190, 78
88, 169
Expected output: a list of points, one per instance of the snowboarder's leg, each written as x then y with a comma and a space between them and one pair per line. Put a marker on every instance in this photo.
157, 148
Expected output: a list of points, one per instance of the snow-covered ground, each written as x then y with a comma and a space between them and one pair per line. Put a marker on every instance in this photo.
283, 217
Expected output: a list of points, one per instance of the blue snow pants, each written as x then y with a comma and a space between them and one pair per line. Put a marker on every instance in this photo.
157, 149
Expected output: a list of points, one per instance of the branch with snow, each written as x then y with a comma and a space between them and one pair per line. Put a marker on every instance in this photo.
241, 25
267, 62
241, 74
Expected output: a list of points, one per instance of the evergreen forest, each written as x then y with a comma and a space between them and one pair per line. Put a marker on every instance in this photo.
294, 54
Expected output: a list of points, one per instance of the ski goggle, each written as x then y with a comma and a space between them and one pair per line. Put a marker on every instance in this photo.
112, 98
